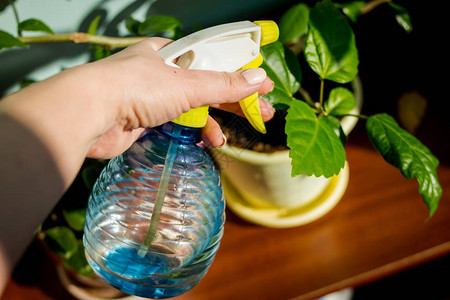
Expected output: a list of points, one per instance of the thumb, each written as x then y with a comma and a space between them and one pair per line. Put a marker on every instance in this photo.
213, 87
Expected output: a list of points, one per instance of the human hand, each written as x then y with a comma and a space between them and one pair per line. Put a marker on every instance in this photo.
139, 91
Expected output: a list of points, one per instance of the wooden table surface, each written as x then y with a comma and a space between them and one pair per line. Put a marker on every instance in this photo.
379, 227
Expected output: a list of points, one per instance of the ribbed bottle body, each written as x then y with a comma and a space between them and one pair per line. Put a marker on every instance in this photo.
189, 226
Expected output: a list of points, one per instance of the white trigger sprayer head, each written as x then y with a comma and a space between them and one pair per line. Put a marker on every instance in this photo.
228, 47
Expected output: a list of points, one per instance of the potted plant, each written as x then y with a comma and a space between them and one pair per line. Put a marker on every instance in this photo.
304, 180
312, 129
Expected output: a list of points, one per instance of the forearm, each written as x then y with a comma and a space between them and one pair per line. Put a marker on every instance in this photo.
63, 114
46, 131
30, 184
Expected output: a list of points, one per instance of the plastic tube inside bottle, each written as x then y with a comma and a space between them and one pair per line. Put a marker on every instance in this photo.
162, 190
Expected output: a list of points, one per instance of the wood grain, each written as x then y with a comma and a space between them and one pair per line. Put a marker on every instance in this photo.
379, 228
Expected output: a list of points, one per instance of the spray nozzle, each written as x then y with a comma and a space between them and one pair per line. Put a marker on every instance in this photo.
228, 47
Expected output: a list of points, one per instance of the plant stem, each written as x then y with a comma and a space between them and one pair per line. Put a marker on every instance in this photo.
297, 46
369, 6
16, 16
306, 96
79, 37
322, 86
353, 115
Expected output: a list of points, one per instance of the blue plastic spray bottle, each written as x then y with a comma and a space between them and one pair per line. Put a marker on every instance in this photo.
155, 216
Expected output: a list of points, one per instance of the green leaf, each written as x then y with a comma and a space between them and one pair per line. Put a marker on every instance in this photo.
159, 24
8, 41
61, 240
285, 77
78, 261
90, 174
352, 9
75, 218
294, 23
4, 3
100, 52
94, 25
132, 25
26, 82
335, 125
293, 67
341, 101
34, 25
330, 44
404, 151
176, 34
278, 98
315, 149
402, 17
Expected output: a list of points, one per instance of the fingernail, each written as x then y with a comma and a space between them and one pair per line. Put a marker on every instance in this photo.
272, 85
224, 140
254, 76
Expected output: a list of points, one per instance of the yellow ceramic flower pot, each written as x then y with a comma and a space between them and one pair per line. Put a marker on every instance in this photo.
259, 187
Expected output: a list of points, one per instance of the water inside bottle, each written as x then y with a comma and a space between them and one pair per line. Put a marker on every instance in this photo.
189, 225
128, 263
